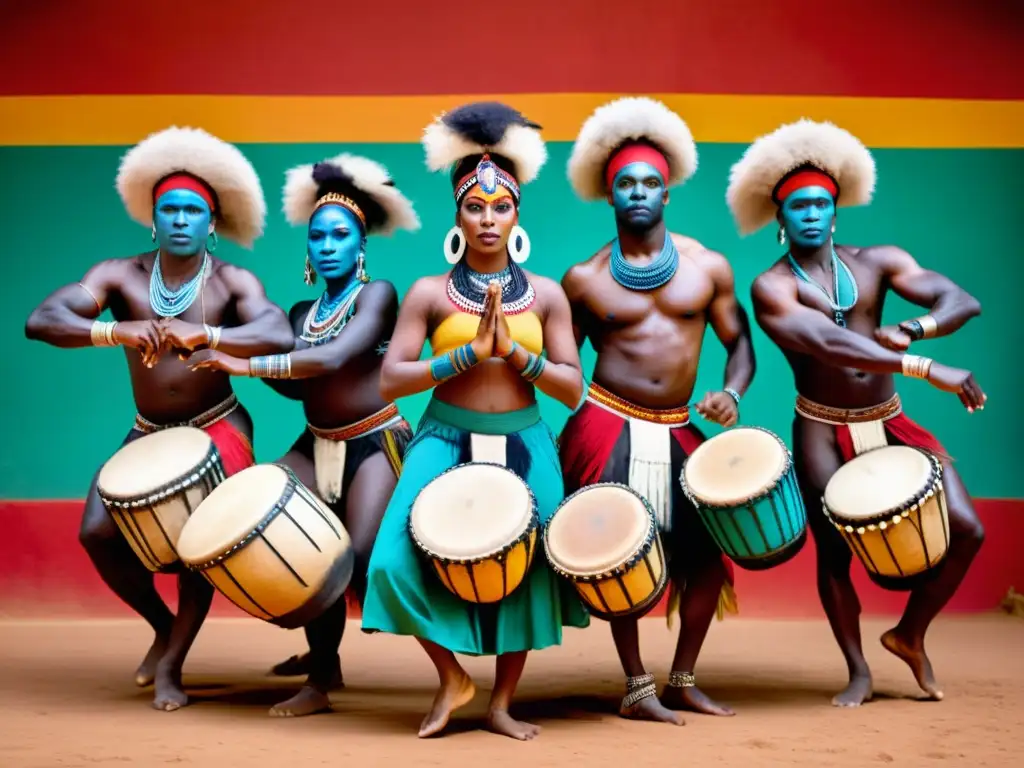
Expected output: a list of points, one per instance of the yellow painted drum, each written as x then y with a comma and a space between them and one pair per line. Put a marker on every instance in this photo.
151, 486
476, 524
604, 538
270, 546
890, 506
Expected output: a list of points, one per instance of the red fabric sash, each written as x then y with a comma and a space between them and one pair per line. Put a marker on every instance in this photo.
235, 449
903, 430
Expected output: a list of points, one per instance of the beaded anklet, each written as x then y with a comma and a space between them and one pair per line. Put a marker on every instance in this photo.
637, 689
681, 680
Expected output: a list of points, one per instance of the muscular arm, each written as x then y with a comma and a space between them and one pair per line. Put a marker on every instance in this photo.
948, 304
65, 317
403, 373
731, 325
264, 329
562, 377
795, 327
573, 285
376, 309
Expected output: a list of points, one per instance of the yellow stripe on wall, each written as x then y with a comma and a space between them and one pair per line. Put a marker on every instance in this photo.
120, 120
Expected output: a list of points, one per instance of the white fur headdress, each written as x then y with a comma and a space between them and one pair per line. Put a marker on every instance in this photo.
365, 181
241, 209
485, 127
827, 147
629, 119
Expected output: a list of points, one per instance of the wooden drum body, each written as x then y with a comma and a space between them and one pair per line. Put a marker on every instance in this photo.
152, 485
476, 524
890, 506
743, 484
604, 538
270, 546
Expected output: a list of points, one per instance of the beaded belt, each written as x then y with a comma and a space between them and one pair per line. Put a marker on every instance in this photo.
202, 421
382, 419
673, 417
836, 416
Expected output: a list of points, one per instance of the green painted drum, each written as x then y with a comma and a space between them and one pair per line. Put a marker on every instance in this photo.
743, 484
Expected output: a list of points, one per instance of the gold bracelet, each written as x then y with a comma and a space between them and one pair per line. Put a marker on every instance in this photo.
928, 326
102, 334
916, 367
212, 335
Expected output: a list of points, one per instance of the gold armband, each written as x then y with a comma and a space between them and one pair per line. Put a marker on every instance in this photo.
212, 335
916, 367
928, 326
103, 333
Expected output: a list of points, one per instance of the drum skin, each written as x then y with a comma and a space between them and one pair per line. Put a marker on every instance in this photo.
151, 487
476, 524
604, 538
269, 545
743, 485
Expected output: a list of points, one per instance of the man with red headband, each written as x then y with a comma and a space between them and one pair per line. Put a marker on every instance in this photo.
644, 301
821, 303
188, 187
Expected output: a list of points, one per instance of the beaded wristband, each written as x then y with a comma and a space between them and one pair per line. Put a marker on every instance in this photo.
271, 367
733, 394
457, 361
916, 367
102, 333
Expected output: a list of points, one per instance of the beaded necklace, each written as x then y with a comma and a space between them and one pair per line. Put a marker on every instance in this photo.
649, 276
329, 316
467, 289
845, 291
171, 303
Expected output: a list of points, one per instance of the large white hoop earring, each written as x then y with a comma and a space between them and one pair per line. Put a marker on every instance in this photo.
518, 245
454, 245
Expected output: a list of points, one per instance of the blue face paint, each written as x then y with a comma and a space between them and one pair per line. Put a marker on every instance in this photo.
807, 216
182, 221
638, 196
333, 242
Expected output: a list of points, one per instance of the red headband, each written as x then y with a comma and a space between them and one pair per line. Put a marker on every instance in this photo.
184, 181
635, 153
805, 178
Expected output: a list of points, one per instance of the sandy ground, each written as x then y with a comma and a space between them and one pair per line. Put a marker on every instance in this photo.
67, 699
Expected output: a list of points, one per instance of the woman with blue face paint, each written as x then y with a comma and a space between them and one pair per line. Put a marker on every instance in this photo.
188, 187
645, 301
498, 334
351, 450
821, 303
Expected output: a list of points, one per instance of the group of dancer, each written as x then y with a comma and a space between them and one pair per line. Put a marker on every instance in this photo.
189, 322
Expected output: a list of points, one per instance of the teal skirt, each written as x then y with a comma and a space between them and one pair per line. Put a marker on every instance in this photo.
404, 595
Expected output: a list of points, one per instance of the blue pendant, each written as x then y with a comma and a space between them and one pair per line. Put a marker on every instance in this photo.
487, 176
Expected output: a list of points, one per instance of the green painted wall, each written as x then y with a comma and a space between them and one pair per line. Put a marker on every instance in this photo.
65, 411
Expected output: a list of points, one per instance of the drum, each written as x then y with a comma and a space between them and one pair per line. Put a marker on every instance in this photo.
152, 485
890, 506
744, 487
604, 539
270, 546
476, 524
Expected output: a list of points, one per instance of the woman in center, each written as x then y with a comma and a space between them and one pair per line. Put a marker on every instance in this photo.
497, 334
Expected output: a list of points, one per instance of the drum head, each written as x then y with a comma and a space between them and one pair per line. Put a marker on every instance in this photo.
877, 482
735, 466
231, 512
473, 510
146, 464
597, 529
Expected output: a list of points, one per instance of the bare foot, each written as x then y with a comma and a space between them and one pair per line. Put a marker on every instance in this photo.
299, 666
146, 672
856, 693
500, 721
915, 657
452, 694
169, 695
308, 701
694, 699
652, 709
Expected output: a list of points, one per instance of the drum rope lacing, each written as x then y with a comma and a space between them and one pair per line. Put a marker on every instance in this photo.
190, 478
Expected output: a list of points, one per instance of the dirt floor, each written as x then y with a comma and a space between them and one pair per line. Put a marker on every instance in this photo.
67, 699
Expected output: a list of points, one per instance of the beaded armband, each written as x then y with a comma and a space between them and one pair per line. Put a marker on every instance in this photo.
271, 367
455, 362
103, 333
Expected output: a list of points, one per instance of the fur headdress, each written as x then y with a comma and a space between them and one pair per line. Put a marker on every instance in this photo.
646, 127
459, 139
360, 184
191, 158
803, 147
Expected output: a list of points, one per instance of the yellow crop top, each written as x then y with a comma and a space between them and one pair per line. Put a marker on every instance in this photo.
460, 328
